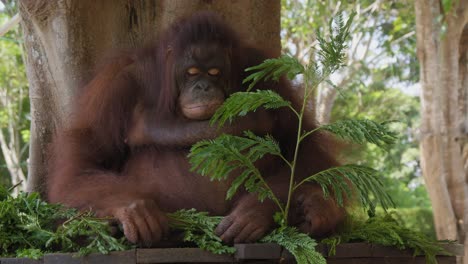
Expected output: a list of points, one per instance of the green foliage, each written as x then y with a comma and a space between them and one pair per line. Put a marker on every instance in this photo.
362, 131
239, 104
300, 245
448, 4
198, 228
385, 29
343, 180
331, 56
273, 69
332, 51
29, 253
95, 230
14, 103
374, 84
418, 219
387, 231
400, 164
29, 228
219, 157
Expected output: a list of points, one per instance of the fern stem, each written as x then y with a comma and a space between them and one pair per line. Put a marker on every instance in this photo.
295, 112
291, 178
307, 92
309, 132
285, 161
299, 138
303, 181
274, 198
310, 178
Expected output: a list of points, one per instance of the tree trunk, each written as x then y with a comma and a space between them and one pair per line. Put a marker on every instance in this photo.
327, 94
66, 39
443, 102
463, 106
464, 95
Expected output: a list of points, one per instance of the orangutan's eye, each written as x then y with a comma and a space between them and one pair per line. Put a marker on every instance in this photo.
193, 71
213, 71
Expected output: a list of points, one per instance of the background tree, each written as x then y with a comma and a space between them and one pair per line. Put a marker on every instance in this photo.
66, 39
442, 33
14, 103
378, 28
377, 84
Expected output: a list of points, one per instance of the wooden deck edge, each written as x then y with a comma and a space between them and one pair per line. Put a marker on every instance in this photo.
244, 252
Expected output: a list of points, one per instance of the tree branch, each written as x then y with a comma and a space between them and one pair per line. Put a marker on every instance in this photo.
10, 24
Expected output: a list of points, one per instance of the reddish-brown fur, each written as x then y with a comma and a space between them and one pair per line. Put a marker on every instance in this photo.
104, 161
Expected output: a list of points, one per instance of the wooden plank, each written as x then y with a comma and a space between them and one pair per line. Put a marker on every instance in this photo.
19, 261
446, 260
356, 250
246, 253
455, 249
180, 255
62, 258
385, 260
120, 257
257, 251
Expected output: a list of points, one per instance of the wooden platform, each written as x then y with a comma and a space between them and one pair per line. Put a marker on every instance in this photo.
352, 253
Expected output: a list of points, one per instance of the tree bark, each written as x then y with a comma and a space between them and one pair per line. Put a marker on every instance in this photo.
66, 39
463, 106
326, 95
443, 98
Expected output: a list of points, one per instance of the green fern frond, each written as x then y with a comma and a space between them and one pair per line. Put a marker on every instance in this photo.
273, 69
264, 145
387, 231
362, 131
240, 103
338, 89
219, 157
198, 228
28, 228
366, 183
211, 157
300, 245
331, 54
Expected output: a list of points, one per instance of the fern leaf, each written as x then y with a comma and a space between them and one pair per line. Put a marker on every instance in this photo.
219, 157
300, 245
385, 230
365, 181
362, 131
264, 145
273, 69
198, 228
331, 54
240, 103
237, 182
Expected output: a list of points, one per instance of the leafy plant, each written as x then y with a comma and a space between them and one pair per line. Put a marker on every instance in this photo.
299, 244
387, 231
198, 228
217, 158
29, 227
